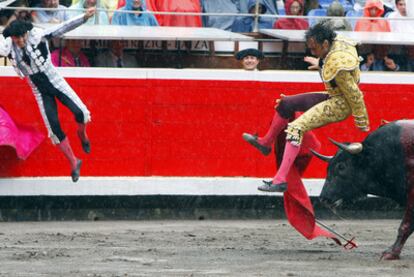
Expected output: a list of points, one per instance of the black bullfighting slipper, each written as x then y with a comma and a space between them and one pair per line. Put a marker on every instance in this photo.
253, 141
76, 172
86, 146
269, 187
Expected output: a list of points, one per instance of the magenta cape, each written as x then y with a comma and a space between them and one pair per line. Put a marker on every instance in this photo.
23, 139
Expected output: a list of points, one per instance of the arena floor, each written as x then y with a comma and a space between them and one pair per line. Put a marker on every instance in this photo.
195, 248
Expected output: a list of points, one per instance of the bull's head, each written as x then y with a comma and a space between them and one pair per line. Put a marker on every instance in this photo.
344, 175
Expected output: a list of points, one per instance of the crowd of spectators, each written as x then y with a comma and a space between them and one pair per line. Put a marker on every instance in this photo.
374, 16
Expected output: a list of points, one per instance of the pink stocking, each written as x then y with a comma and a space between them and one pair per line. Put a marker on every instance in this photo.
82, 132
64, 145
289, 156
278, 124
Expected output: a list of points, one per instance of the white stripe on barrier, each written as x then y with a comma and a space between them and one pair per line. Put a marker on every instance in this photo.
94, 186
296, 76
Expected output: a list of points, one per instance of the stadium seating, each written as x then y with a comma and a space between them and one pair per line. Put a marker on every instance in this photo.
315, 12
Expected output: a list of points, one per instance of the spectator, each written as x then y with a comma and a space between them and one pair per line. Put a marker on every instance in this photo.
380, 60
140, 19
21, 14
250, 58
389, 6
176, 6
220, 6
373, 8
85, 4
409, 59
106, 4
401, 12
310, 5
116, 56
292, 7
338, 24
245, 24
54, 16
71, 55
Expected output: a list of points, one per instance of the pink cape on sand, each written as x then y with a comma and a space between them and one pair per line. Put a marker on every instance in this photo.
24, 139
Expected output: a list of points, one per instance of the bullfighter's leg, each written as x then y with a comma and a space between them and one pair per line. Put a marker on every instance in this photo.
81, 113
286, 108
404, 231
332, 110
48, 109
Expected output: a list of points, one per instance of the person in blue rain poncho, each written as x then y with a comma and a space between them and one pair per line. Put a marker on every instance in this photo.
140, 19
245, 24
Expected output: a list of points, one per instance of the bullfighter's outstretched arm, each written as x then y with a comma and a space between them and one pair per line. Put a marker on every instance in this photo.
347, 84
68, 25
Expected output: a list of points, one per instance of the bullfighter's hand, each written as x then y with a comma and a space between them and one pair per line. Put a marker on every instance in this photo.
314, 62
89, 13
279, 99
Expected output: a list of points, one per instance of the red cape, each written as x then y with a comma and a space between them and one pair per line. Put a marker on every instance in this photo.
298, 207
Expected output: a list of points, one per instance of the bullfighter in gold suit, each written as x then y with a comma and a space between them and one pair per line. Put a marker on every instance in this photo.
338, 62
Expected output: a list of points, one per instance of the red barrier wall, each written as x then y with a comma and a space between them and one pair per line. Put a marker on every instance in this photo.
179, 127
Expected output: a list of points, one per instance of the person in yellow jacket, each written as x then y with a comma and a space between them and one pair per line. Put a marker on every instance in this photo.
338, 62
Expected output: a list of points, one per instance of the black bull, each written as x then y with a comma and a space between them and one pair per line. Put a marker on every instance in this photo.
384, 166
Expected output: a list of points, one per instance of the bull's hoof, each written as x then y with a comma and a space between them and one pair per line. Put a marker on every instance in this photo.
389, 256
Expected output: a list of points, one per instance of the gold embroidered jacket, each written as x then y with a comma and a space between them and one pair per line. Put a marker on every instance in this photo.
340, 73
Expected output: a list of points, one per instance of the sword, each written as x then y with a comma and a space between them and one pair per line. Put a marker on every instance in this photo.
350, 243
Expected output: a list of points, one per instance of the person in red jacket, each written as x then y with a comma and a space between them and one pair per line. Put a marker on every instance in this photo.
292, 7
176, 6
70, 55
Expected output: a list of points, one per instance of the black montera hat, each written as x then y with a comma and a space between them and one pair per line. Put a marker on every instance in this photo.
249, 52
17, 28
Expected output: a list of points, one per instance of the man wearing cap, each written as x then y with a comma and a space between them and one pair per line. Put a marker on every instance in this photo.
250, 58
27, 48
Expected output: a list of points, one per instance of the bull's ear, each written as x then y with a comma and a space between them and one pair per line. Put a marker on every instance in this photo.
353, 148
322, 157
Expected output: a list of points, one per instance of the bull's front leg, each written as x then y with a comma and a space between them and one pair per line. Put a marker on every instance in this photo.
405, 230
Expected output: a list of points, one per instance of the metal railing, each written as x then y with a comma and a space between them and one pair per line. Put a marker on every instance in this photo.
256, 15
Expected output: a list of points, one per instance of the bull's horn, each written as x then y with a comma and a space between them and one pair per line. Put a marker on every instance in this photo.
322, 157
353, 148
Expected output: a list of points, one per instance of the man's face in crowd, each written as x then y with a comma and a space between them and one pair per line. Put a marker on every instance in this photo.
20, 41
74, 46
50, 3
117, 47
402, 8
90, 3
317, 49
250, 62
136, 4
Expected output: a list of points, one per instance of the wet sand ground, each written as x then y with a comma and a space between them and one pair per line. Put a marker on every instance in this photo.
196, 248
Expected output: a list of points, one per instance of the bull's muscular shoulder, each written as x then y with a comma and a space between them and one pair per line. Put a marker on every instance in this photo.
342, 56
